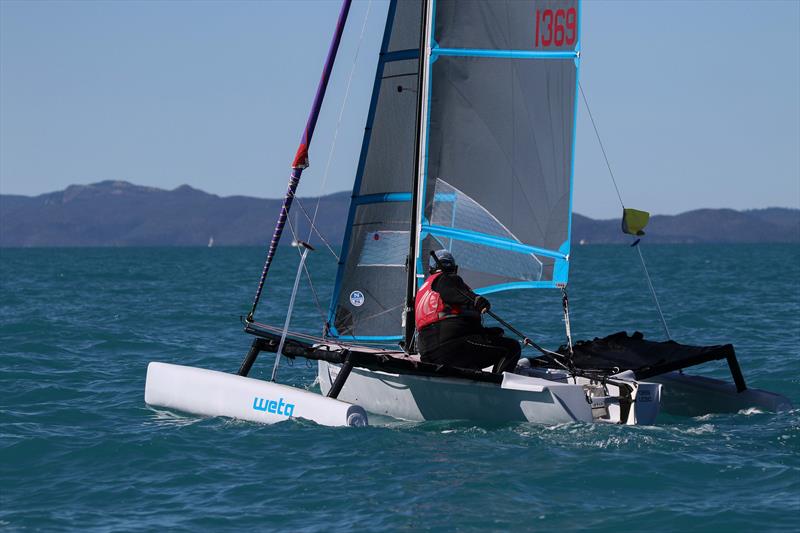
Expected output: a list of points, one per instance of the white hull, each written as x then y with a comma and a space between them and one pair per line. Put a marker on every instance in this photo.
518, 398
210, 393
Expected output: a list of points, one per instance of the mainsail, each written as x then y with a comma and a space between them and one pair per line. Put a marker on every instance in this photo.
495, 183
503, 86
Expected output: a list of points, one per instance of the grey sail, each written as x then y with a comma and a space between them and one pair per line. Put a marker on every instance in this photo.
371, 281
502, 103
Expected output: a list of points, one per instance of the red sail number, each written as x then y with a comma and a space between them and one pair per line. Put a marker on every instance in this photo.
556, 28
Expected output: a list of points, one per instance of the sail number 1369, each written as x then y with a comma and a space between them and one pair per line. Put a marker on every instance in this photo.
556, 27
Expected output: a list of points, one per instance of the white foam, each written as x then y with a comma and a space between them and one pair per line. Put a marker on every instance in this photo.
701, 429
751, 411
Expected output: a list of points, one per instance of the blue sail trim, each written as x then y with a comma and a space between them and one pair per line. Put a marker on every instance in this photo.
507, 54
362, 160
381, 198
489, 240
516, 285
397, 197
561, 270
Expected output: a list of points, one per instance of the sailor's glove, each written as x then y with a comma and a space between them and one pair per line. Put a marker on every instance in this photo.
482, 304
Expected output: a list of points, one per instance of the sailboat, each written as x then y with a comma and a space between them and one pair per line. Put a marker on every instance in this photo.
469, 146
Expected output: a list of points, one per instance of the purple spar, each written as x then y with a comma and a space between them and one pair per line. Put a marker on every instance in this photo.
301, 157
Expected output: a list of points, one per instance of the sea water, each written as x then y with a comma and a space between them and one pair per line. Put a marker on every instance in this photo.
79, 449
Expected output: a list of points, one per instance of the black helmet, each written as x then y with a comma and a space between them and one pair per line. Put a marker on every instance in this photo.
444, 261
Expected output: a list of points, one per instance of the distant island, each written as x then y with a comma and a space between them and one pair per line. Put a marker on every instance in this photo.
118, 213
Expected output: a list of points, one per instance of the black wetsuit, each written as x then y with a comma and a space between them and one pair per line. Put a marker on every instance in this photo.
462, 340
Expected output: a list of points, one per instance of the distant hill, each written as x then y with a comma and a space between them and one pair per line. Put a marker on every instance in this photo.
118, 213
773, 224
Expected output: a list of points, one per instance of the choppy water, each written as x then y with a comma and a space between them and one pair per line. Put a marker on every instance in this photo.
80, 450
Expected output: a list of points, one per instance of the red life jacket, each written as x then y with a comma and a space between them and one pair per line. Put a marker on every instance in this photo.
429, 307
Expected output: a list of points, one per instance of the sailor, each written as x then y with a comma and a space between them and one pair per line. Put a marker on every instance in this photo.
448, 320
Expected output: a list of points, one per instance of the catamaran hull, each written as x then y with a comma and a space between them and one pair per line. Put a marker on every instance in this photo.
210, 393
518, 398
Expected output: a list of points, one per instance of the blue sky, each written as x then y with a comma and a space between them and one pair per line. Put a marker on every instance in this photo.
698, 103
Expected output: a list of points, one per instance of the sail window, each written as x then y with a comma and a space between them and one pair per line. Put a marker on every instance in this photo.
384, 248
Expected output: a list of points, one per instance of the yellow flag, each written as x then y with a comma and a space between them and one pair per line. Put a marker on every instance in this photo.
634, 221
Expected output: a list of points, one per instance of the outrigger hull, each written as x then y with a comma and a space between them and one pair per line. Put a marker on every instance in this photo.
210, 393
687, 395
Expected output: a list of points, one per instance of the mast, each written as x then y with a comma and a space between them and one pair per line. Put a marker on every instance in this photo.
300, 161
419, 167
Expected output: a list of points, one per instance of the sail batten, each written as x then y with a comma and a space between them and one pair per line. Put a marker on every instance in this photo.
509, 54
382, 197
399, 55
489, 240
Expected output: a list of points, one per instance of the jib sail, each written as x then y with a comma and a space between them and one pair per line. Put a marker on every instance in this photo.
370, 289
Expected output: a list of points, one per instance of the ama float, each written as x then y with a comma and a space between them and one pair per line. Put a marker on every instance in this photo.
465, 94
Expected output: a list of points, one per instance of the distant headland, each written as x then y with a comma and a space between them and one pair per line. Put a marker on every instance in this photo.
118, 213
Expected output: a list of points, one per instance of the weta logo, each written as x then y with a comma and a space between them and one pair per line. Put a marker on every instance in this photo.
271, 406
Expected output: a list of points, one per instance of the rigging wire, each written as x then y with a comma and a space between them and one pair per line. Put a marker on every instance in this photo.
616, 188
317, 303
652, 290
339, 123
312, 220
308, 274
602, 148
315, 230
